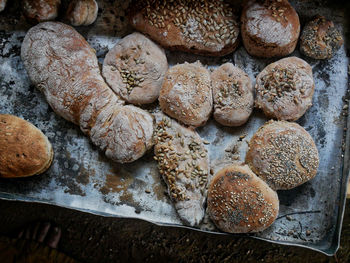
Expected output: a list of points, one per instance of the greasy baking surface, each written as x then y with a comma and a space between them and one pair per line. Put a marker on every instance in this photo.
83, 178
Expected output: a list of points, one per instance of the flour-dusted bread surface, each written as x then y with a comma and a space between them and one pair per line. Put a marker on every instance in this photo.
183, 163
240, 202
41, 10
64, 68
283, 154
208, 27
135, 68
232, 95
24, 149
284, 89
270, 28
320, 39
186, 94
82, 12
2, 4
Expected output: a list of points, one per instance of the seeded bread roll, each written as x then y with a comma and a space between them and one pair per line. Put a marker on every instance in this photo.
184, 164
284, 89
82, 12
320, 39
208, 27
39, 11
62, 65
232, 94
24, 149
2, 4
283, 154
186, 94
240, 202
270, 28
135, 68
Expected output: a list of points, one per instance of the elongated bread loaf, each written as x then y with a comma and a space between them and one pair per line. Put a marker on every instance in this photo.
64, 67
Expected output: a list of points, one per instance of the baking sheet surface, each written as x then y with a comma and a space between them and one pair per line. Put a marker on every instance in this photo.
83, 178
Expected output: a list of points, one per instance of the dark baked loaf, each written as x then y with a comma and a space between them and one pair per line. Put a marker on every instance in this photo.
283, 154
39, 11
82, 12
270, 28
208, 27
64, 67
24, 149
320, 39
240, 202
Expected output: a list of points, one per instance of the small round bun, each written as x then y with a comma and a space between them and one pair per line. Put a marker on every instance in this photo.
39, 11
284, 89
186, 94
135, 68
232, 94
24, 149
82, 12
283, 154
320, 39
240, 202
270, 28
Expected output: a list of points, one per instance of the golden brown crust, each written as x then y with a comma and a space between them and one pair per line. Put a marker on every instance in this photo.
270, 28
240, 202
207, 27
82, 12
186, 94
24, 149
320, 39
39, 11
135, 68
284, 89
232, 95
283, 154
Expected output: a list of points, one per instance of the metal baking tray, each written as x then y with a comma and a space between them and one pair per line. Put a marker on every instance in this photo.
82, 178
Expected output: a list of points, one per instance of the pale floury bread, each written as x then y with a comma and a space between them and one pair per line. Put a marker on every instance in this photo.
283, 154
41, 10
2, 4
135, 68
270, 28
232, 95
240, 202
284, 89
186, 94
207, 27
82, 12
24, 149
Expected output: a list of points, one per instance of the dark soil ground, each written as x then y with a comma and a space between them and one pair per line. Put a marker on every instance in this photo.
91, 238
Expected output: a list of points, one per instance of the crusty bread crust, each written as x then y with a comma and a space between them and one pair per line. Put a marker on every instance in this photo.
24, 149
207, 27
64, 67
186, 94
183, 163
240, 202
283, 154
82, 12
135, 68
270, 28
320, 39
39, 11
232, 95
284, 89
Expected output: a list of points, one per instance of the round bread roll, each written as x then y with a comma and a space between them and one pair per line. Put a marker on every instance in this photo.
135, 68
232, 94
207, 27
240, 202
284, 89
24, 149
186, 94
2, 4
82, 12
270, 28
320, 39
39, 11
283, 154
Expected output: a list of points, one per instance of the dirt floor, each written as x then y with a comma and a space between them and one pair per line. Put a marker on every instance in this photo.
91, 238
